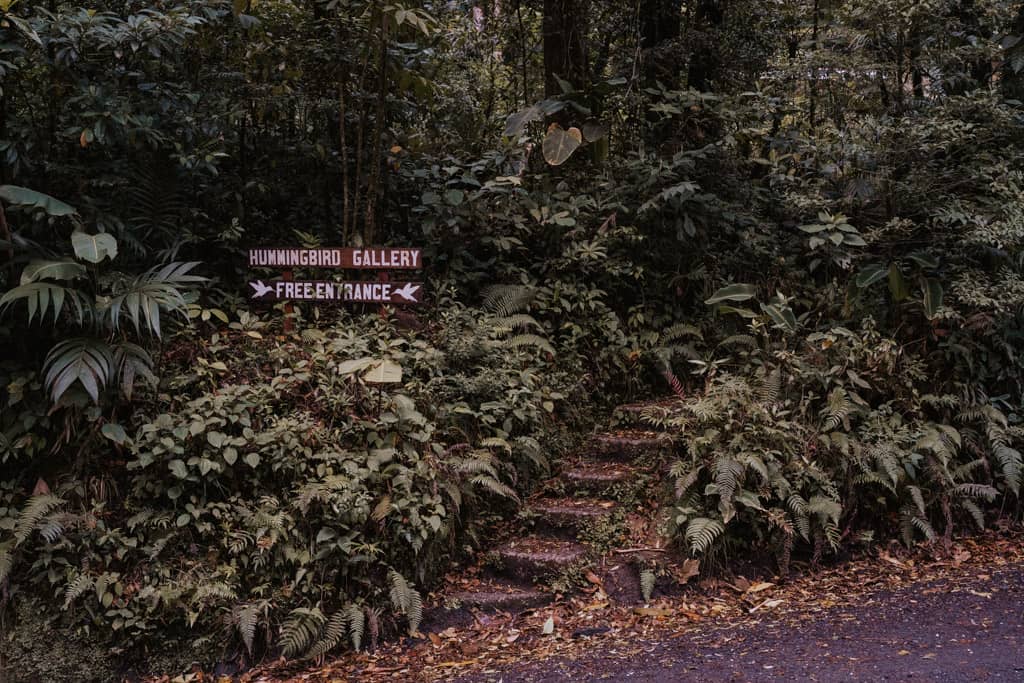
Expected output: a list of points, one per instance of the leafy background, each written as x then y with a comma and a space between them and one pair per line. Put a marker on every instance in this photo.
803, 220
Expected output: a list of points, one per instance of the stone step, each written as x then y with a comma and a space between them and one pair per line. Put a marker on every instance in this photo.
571, 512
597, 476
628, 443
499, 597
536, 557
632, 413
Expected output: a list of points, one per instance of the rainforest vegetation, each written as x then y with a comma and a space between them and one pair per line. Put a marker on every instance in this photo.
802, 220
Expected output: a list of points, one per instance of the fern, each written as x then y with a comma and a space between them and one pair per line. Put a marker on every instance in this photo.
825, 509
647, 581
982, 491
838, 410
770, 387
701, 533
300, 630
77, 588
915, 494
330, 637
974, 511
246, 620
29, 519
506, 300
520, 341
494, 486
677, 332
728, 478
406, 600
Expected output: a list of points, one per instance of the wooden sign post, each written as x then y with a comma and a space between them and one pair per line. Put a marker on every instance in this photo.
382, 259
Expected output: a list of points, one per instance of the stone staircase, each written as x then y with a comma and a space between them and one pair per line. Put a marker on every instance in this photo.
609, 480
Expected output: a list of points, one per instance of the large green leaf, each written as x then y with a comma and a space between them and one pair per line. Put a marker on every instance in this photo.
22, 196
384, 372
159, 289
517, 122
94, 248
932, 296
84, 360
737, 292
39, 296
51, 270
897, 285
870, 274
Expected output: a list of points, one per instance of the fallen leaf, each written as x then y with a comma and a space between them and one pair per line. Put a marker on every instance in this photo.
653, 612
980, 594
435, 639
758, 587
549, 626
903, 653
593, 578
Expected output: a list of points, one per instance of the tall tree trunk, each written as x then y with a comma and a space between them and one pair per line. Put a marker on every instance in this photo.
705, 62
1013, 80
660, 22
565, 54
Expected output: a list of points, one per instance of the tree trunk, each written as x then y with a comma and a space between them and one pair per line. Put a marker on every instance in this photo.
565, 54
1013, 81
660, 22
705, 62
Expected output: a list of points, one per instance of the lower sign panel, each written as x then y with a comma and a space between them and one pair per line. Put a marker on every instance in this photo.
327, 290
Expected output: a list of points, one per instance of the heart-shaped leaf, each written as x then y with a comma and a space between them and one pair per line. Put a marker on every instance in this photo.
559, 144
94, 248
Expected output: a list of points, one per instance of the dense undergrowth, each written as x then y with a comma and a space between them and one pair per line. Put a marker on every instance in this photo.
825, 271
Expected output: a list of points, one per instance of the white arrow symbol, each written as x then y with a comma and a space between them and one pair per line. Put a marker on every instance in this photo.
407, 291
261, 289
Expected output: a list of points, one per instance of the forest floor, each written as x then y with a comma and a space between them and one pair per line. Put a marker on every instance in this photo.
933, 615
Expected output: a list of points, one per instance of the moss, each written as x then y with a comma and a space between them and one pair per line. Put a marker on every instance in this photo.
38, 645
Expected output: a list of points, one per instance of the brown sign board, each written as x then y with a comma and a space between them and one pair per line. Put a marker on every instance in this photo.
378, 258
408, 293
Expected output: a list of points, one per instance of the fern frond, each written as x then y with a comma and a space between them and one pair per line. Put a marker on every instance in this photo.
838, 410
520, 341
300, 630
974, 511
647, 581
701, 533
406, 600
356, 620
518, 321
982, 491
29, 519
330, 636
505, 300
677, 332
495, 486
825, 509
728, 477
924, 526
77, 588
918, 498
770, 387
684, 479
246, 619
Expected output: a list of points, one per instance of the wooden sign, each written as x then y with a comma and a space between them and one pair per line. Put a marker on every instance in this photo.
381, 258
319, 290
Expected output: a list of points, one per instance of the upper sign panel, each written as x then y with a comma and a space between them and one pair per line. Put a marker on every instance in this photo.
381, 258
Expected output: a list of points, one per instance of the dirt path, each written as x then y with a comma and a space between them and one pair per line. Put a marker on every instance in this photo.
965, 627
